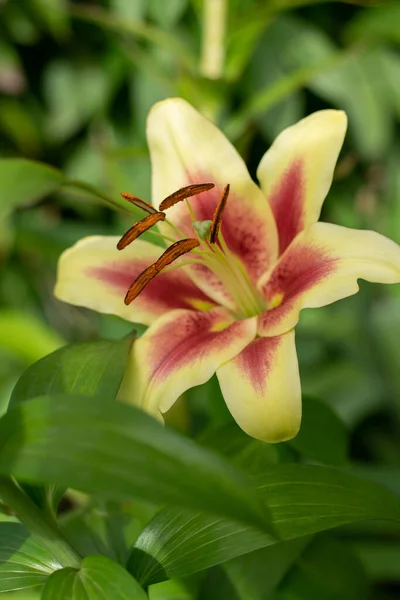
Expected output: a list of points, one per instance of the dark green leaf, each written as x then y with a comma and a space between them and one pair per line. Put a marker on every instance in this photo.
257, 574
99, 578
328, 569
303, 499
25, 181
87, 368
95, 446
178, 543
23, 562
323, 435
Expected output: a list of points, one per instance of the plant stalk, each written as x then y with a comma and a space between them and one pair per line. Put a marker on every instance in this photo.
213, 44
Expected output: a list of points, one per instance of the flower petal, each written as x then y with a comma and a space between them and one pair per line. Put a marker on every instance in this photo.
321, 266
181, 350
93, 273
186, 148
296, 172
261, 387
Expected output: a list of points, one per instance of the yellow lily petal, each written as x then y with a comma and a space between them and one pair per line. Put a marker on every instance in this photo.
296, 172
181, 350
94, 274
186, 148
321, 266
261, 387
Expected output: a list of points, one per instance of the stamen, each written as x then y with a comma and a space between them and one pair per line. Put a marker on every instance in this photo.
139, 228
175, 251
185, 192
217, 217
140, 283
139, 203
172, 253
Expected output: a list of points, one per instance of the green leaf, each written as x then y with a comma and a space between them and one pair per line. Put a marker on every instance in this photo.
87, 368
323, 435
95, 446
328, 569
305, 499
247, 572
99, 578
179, 543
169, 590
25, 181
302, 499
23, 562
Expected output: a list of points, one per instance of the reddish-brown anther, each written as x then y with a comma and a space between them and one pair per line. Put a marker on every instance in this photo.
139, 203
185, 192
217, 216
138, 228
140, 283
175, 251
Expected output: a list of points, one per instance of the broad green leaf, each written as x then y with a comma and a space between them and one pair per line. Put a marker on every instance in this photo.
380, 558
305, 499
302, 499
99, 578
23, 562
25, 181
178, 543
93, 445
327, 569
257, 574
169, 590
87, 368
323, 435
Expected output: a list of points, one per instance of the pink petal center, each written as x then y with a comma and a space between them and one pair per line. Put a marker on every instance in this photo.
287, 202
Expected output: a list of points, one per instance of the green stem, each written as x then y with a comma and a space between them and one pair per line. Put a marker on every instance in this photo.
38, 523
213, 46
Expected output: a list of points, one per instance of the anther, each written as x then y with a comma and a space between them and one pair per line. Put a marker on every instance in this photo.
175, 251
140, 283
217, 216
139, 203
172, 253
185, 192
138, 228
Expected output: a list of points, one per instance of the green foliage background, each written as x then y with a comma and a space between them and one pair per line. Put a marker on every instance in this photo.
77, 80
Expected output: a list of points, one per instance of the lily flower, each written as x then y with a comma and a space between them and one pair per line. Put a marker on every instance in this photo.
244, 261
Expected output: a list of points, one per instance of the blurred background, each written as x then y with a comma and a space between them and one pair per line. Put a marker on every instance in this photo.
77, 80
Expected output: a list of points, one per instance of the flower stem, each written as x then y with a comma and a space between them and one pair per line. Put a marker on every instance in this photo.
213, 46
44, 530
